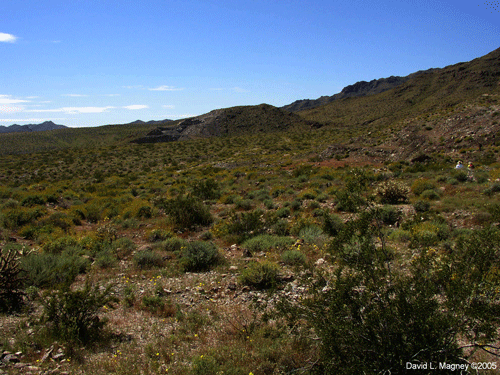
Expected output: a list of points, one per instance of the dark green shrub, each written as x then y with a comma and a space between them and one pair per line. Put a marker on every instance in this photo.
146, 259
266, 242
373, 318
199, 256
186, 211
421, 206
207, 189
281, 228
174, 244
17, 217
49, 270
245, 225
11, 282
348, 201
260, 275
159, 235
293, 257
283, 212
430, 195
332, 224
460, 175
390, 215
33, 200
158, 305
311, 233
144, 212
421, 185
243, 204
105, 259
495, 188
73, 316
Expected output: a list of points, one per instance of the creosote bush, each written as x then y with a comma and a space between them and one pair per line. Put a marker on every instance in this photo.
186, 211
260, 275
72, 316
199, 256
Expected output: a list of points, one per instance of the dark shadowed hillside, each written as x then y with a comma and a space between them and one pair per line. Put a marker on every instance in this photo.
262, 118
47, 125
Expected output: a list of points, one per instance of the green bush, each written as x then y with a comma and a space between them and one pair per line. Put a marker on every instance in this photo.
266, 242
207, 189
390, 215
374, 318
421, 185
199, 256
174, 244
146, 259
430, 195
73, 316
186, 211
332, 224
283, 212
260, 275
50, 270
293, 257
421, 206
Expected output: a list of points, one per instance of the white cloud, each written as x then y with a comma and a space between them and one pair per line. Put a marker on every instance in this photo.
165, 88
17, 120
7, 38
8, 109
169, 106
74, 110
5, 99
133, 87
238, 89
136, 106
75, 95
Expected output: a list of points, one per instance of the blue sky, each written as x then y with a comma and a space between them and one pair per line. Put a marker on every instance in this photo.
87, 63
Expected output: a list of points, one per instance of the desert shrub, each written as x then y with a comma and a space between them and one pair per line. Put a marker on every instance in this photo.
207, 189
260, 275
93, 212
105, 259
296, 205
186, 211
204, 365
459, 175
495, 188
58, 245
144, 212
49, 270
373, 318
421, 206
241, 226
158, 305
199, 256
73, 316
429, 233
58, 220
266, 242
332, 224
146, 259
281, 228
156, 235
421, 185
174, 244
400, 235
269, 204
243, 204
33, 200
393, 192
293, 257
11, 282
283, 212
17, 217
430, 195
311, 233
348, 201
390, 215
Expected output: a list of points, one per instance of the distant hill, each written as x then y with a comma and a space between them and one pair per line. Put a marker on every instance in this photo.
47, 125
361, 88
263, 118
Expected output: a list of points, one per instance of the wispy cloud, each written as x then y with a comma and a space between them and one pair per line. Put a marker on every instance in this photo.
75, 95
238, 89
165, 88
6, 99
74, 110
169, 106
136, 106
133, 87
16, 120
7, 38
8, 109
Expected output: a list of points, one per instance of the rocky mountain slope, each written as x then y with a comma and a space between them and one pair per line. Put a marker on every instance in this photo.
262, 118
361, 88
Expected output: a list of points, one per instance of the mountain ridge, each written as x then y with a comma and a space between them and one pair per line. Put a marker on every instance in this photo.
15, 128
